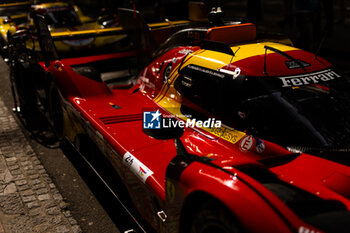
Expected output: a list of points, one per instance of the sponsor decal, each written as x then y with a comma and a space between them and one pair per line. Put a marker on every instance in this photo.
136, 167
247, 143
185, 51
79, 42
206, 71
259, 146
303, 229
230, 135
128, 160
187, 81
142, 172
311, 78
155, 120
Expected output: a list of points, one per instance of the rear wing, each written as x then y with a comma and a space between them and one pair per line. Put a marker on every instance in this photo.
139, 32
46, 43
147, 37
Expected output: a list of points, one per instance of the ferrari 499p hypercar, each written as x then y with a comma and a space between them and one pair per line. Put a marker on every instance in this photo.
12, 14
222, 130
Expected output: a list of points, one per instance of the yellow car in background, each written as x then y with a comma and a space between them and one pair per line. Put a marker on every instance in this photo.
12, 14
62, 17
68, 21
65, 19
6, 25
62, 14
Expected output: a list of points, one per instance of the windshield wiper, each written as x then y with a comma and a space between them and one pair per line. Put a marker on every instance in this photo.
289, 57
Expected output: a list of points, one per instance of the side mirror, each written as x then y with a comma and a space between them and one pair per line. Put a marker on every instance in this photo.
20, 35
108, 21
8, 20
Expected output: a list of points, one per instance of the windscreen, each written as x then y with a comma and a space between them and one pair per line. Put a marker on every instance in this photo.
312, 114
66, 17
306, 110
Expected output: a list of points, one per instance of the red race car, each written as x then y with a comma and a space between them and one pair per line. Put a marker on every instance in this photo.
222, 131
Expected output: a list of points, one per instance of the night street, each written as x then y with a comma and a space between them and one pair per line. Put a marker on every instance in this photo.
79, 198
63, 193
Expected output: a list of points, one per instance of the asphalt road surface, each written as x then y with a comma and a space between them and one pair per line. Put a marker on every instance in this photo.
90, 203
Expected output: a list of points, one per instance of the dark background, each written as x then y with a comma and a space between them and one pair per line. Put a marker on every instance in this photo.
313, 25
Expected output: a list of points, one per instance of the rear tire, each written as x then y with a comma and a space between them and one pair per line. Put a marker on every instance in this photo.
213, 217
24, 87
55, 111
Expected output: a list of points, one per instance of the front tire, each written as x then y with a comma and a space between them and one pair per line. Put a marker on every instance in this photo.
213, 217
24, 87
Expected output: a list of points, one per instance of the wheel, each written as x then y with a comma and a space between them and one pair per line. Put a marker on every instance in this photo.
213, 217
24, 87
55, 110
3, 51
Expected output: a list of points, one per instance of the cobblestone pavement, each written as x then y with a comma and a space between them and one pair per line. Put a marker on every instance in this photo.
29, 200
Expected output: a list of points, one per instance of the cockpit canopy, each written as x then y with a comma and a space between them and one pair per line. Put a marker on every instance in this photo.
60, 16
310, 110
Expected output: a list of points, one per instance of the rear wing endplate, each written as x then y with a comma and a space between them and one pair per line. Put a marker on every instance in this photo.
46, 43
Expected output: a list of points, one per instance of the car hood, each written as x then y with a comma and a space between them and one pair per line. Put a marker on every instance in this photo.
325, 175
318, 176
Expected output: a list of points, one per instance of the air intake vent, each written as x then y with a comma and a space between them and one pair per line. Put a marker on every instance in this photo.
120, 119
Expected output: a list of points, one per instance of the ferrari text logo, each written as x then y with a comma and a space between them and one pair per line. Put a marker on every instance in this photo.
136, 167
306, 79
